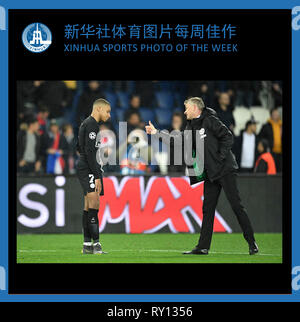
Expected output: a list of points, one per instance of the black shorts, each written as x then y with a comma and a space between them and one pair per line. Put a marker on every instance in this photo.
87, 181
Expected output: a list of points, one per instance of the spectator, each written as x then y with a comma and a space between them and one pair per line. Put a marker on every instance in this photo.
57, 150
204, 94
26, 118
177, 122
272, 132
55, 95
179, 89
245, 147
42, 117
70, 153
203, 89
146, 91
277, 94
28, 148
86, 99
265, 95
177, 125
135, 103
224, 111
223, 86
265, 162
134, 122
135, 154
72, 86
25, 98
245, 92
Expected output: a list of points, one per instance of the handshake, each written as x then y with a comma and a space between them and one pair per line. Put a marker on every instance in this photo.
150, 129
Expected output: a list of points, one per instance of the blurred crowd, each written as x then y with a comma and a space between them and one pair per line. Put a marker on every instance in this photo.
49, 114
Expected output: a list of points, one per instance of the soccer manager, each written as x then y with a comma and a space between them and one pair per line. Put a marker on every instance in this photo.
219, 169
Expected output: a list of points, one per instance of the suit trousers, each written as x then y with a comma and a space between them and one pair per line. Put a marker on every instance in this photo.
212, 192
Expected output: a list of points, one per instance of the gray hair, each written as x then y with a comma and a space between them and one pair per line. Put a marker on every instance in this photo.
197, 101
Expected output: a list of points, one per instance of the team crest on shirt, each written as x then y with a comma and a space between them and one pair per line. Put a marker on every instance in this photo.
92, 135
202, 133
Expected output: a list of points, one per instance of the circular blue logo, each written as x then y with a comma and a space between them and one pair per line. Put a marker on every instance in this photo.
37, 37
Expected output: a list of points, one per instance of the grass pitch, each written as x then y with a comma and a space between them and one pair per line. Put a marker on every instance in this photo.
147, 248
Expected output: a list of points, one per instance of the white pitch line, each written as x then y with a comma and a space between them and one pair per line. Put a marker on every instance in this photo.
38, 251
145, 250
259, 254
225, 253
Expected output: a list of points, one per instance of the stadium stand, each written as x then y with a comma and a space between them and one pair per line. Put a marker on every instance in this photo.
112, 98
147, 114
153, 100
241, 116
123, 99
163, 117
164, 99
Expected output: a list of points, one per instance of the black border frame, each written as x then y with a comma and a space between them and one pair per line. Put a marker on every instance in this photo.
211, 278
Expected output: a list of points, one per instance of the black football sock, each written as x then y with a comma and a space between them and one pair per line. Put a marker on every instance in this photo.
86, 232
93, 224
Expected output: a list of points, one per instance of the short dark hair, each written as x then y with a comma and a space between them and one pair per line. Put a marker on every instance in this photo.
265, 144
134, 95
65, 126
134, 113
250, 122
31, 120
101, 101
176, 113
42, 108
273, 109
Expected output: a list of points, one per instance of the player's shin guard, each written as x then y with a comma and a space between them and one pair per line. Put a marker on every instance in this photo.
93, 224
85, 225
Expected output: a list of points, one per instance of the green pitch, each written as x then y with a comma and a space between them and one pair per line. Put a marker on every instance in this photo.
146, 248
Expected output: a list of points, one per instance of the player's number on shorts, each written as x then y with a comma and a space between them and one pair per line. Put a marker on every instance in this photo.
92, 184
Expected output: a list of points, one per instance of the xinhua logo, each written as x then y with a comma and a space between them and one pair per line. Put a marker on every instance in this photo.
37, 37
2, 279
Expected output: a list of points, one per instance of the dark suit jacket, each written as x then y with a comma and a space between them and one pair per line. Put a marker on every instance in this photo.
218, 140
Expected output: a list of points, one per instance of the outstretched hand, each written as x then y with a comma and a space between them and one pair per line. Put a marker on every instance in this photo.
150, 129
